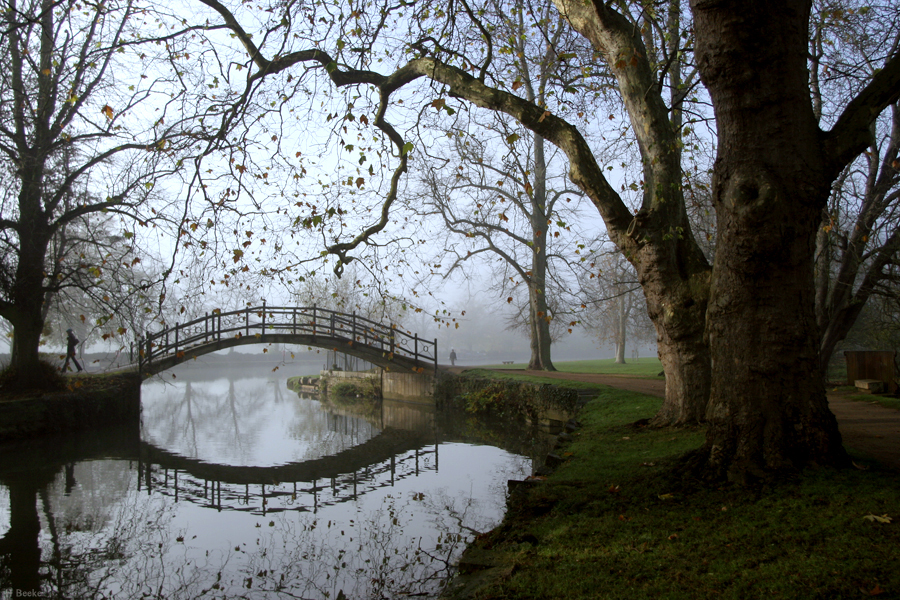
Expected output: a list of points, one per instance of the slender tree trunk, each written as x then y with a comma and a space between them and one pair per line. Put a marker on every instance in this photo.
539, 312
621, 329
540, 333
768, 410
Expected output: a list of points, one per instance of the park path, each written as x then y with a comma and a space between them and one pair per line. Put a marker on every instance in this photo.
865, 426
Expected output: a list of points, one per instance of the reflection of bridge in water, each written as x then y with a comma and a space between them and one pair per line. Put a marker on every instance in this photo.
386, 346
406, 446
303, 494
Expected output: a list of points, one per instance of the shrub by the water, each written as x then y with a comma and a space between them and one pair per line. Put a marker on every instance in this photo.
344, 389
47, 379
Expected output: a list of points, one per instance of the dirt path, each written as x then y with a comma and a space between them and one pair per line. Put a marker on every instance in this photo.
867, 427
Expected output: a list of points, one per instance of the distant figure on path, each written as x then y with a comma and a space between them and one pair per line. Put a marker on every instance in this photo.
72, 342
452, 357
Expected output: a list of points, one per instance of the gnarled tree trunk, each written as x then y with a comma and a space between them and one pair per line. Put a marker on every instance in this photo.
768, 411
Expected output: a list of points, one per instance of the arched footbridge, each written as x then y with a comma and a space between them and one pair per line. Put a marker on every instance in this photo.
384, 345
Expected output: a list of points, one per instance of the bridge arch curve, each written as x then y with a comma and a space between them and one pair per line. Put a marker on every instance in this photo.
386, 346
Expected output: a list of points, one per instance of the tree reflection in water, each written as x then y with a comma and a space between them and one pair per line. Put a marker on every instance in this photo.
96, 529
135, 549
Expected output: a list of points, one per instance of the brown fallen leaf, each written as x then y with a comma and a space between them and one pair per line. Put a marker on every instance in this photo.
875, 591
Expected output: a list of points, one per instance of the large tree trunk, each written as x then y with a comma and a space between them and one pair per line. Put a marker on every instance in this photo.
682, 349
26, 313
658, 242
768, 410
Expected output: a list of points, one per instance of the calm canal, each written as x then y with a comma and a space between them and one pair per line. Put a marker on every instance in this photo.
233, 486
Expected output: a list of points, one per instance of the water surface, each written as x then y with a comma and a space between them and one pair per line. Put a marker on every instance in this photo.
235, 487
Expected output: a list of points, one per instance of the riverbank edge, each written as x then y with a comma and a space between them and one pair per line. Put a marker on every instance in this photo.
91, 402
511, 398
616, 518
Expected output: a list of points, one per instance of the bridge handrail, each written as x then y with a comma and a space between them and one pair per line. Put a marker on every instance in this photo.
307, 320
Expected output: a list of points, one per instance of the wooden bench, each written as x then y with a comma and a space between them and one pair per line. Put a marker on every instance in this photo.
507, 362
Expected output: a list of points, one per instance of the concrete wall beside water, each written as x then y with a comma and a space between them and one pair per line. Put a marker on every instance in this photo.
407, 386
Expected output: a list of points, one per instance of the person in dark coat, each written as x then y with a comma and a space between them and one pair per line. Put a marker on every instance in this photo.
452, 357
71, 344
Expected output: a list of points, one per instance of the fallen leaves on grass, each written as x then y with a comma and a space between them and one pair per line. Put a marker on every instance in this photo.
875, 591
878, 519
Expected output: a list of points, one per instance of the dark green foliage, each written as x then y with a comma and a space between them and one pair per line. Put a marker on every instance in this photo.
46, 378
507, 398
345, 389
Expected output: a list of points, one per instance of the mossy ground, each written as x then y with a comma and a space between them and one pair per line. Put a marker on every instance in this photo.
618, 521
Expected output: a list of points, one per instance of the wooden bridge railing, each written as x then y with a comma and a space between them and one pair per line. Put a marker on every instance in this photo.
260, 321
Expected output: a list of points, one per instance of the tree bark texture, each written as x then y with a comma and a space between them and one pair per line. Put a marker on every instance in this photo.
657, 240
768, 410
26, 312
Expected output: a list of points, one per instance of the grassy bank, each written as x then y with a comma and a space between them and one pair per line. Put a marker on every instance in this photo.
640, 367
614, 522
885, 401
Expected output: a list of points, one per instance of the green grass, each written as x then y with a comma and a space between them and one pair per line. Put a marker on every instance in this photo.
487, 373
615, 521
885, 401
641, 367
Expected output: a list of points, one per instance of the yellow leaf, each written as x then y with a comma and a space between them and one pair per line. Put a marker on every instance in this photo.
108, 111
878, 519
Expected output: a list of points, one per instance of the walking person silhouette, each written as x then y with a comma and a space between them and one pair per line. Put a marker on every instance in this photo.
71, 343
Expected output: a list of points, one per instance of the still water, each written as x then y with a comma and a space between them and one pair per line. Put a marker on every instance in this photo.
235, 487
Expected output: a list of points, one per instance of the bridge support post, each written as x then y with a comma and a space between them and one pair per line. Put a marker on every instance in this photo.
247, 320
263, 334
176, 338
206, 327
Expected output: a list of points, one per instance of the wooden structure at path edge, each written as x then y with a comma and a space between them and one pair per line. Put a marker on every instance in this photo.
383, 345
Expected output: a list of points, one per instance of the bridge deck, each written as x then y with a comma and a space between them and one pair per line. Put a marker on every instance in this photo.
384, 345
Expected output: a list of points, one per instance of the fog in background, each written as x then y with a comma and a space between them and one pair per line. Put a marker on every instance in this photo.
479, 337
